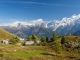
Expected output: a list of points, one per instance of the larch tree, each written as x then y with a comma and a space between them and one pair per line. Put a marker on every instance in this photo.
57, 48
54, 36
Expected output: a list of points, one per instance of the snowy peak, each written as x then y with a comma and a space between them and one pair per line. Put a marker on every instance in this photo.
64, 22
74, 19
29, 23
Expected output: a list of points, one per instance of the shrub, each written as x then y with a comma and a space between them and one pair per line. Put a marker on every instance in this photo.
1, 55
14, 40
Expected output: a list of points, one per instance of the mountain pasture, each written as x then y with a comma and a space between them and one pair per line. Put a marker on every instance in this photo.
15, 52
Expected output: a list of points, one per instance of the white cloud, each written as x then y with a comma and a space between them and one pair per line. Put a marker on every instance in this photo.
38, 3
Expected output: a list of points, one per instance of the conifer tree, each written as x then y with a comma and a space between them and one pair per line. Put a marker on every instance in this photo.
54, 36
47, 39
34, 37
62, 40
58, 48
43, 39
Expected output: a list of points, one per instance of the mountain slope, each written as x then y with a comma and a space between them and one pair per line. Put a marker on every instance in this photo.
41, 31
27, 31
40, 27
77, 33
15, 30
5, 35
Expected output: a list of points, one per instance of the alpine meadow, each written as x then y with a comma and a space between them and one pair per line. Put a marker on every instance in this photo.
39, 29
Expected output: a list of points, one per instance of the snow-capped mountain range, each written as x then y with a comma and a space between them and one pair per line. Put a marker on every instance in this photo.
74, 19
64, 26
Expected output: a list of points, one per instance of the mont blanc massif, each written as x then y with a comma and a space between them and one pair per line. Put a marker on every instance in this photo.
40, 27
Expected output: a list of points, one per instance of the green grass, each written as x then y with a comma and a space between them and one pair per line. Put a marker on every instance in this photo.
21, 52
24, 54
33, 53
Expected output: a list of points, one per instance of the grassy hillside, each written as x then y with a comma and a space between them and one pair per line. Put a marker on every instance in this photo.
72, 38
5, 35
19, 52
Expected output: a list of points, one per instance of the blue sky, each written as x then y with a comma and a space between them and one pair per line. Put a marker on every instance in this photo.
22, 10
